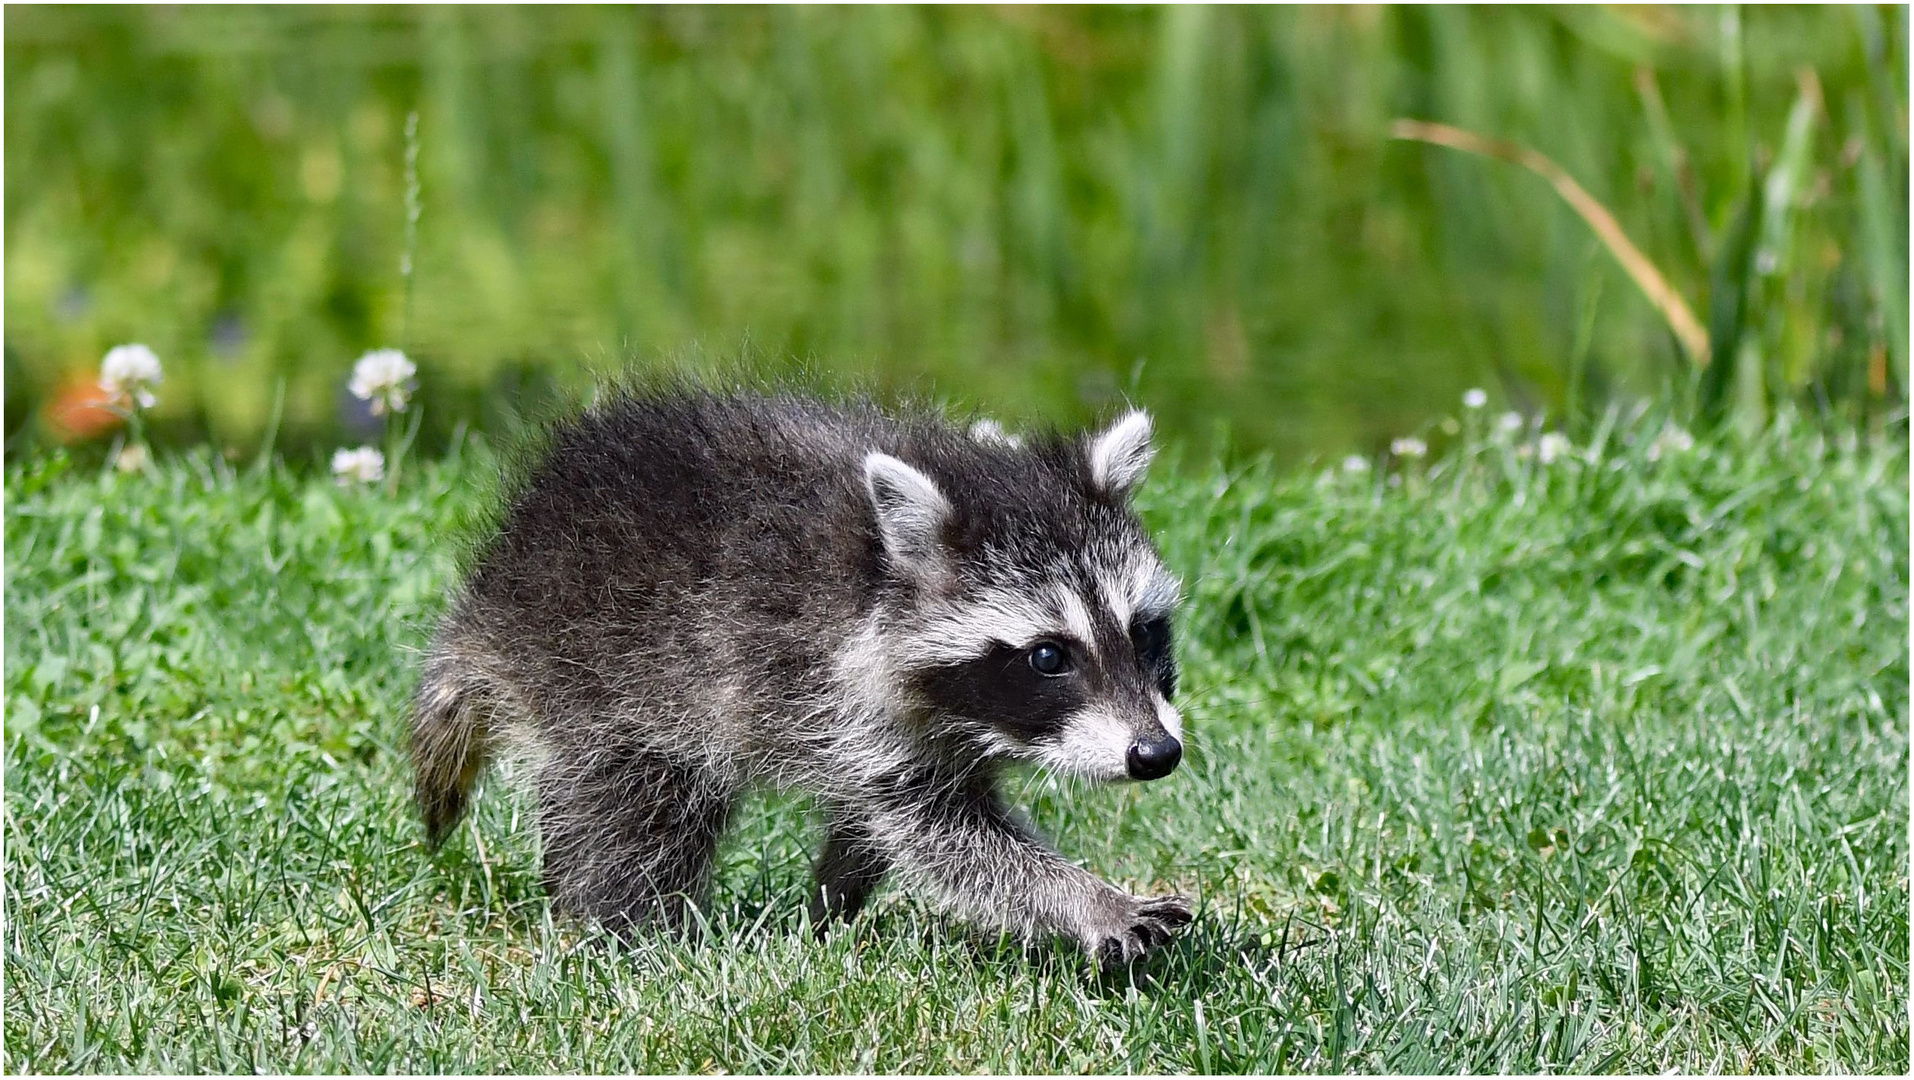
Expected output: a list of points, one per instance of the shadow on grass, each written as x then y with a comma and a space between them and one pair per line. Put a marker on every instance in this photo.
505, 891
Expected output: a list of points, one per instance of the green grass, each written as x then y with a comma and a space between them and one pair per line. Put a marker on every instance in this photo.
1598, 765
1037, 206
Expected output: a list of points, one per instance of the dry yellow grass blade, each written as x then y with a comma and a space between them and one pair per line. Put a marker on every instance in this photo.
1680, 317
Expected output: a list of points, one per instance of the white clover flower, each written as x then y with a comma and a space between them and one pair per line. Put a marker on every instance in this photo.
129, 373
1671, 440
1553, 445
133, 458
1355, 463
383, 377
1509, 422
1409, 448
365, 465
1474, 397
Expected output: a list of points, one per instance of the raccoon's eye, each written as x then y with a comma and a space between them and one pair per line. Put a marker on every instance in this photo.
1152, 639
1047, 658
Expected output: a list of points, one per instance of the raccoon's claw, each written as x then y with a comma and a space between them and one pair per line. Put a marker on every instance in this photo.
1150, 923
1173, 911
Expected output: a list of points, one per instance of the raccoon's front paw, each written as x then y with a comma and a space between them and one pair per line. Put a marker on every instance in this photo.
1142, 923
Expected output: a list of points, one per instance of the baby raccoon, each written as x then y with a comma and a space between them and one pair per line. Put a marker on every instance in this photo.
696, 592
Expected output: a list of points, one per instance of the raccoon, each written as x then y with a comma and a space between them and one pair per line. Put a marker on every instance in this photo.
698, 591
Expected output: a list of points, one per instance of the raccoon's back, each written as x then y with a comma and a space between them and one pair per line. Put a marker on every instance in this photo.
656, 528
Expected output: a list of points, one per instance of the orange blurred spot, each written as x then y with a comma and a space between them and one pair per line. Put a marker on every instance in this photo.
80, 409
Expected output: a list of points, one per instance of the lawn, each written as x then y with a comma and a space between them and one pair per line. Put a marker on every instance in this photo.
1496, 764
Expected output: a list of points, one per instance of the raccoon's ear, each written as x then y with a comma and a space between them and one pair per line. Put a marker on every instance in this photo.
911, 512
1119, 456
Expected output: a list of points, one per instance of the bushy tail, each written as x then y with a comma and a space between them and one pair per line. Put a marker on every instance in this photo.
449, 741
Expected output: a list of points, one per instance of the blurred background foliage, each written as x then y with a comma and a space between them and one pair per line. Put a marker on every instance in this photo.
1033, 210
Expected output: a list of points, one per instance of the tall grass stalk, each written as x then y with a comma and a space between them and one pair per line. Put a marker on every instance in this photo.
414, 206
1681, 319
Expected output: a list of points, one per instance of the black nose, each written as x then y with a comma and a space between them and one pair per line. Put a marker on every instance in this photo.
1150, 759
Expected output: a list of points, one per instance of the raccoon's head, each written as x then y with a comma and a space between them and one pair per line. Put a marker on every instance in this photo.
1029, 614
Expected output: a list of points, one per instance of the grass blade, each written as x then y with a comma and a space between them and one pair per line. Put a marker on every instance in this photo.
1681, 318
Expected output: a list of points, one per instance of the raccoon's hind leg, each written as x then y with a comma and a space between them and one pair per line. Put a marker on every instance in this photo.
629, 836
849, 868
451, 719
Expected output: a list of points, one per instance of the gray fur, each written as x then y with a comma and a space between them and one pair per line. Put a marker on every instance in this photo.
693, 593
